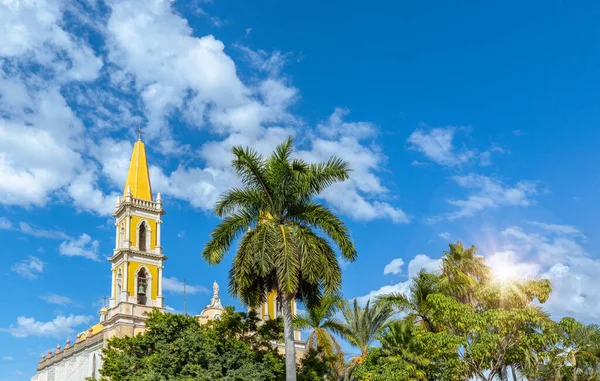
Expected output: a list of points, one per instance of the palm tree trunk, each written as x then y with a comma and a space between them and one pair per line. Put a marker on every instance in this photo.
288, 336
504, 373
514, 372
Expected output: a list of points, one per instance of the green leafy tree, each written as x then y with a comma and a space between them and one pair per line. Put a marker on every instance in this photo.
281, 247
323, 325
488, 338
177, 347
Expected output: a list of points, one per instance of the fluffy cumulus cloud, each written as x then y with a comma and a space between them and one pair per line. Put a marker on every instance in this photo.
62, 129
59, 327
174, 285
83, 246
29, 268
394, 267
555, 252
490, 193
362, 196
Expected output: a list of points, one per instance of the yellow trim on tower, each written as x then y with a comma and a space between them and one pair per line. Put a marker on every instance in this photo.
133, 267
138, 177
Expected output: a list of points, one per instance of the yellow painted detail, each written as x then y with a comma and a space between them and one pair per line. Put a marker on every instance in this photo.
271, 304
138, 177
133, 267
272, 301
133, 234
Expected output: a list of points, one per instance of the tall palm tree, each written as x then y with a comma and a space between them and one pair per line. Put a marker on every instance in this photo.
323, 324
464, 270
282, 247
415, 304
362, 326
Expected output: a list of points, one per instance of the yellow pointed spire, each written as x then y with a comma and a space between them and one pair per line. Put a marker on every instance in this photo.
138, 177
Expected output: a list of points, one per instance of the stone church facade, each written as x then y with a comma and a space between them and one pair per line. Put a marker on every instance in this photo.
137, 266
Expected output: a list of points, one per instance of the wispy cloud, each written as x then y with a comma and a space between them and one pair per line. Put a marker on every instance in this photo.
489, 193
29, 268
174, 285
57, 299
437, 145
444, 235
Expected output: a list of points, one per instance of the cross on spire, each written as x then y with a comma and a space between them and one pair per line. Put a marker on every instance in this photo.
140, 133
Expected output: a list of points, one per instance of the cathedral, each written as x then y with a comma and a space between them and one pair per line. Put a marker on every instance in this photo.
137, 264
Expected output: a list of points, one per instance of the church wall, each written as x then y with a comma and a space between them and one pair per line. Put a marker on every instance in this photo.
75, 364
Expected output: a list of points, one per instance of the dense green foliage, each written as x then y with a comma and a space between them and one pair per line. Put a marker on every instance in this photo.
177, 348
287, 237
459, 323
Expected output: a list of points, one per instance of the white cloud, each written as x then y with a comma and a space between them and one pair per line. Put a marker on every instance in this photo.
419, 262
174, 285
556, 253
8, 358
25, 228
59, 327
438, 147
83, 246
360, 196
444, 235
158, 69
56, 299
394, 267
5, 224
29, 268
490, 193
271, 63
559, 229
33, 27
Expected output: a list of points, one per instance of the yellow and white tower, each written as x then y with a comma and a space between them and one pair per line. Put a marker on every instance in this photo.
137, 261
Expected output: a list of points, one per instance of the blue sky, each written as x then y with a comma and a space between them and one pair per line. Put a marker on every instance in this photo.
473, 122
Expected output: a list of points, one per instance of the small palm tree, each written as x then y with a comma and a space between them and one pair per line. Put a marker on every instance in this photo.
415, 305
321, 321
281, 247
395, 345
361, 327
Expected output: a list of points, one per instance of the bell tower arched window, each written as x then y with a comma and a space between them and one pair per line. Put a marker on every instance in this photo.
142, 237
142, 284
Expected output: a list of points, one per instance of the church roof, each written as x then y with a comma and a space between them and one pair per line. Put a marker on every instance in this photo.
138, 177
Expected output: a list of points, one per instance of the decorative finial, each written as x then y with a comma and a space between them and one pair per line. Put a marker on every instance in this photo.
128, 190
91, 330
68, 343
104, 299
49, 352
57, 348
140, 133
43, 356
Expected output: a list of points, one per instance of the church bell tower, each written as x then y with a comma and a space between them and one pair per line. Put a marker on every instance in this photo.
137, 260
